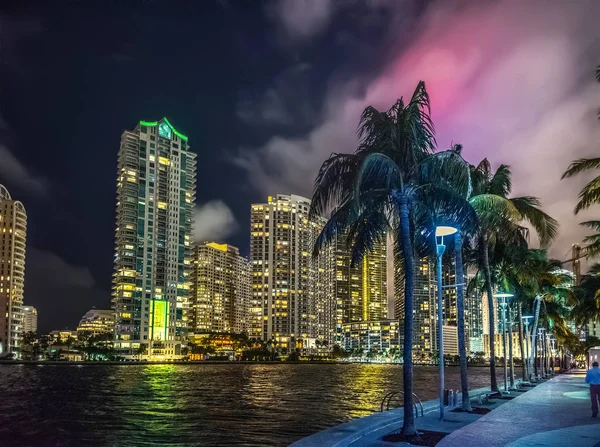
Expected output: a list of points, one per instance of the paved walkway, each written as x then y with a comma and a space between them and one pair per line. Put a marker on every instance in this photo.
554, 413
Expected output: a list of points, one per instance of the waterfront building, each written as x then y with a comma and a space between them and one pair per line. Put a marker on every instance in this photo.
156, 183
220, 290
425, 342
292, 291
13, 237
485, 314
96, 322
30, 319
474, 305
499, 347
62, 335
361, 290
381, 335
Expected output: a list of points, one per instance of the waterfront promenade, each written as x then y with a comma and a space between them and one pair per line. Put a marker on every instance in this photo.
553, 413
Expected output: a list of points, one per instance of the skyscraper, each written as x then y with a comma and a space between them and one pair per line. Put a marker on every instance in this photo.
425, 338
30, 319
13, 235
292, 291
360, 291
220, 289
156, 183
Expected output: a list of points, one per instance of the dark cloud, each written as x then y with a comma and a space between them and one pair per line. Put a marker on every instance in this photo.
511, 81
60, 291
15, 173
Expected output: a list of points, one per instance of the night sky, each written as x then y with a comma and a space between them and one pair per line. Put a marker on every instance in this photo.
265, 92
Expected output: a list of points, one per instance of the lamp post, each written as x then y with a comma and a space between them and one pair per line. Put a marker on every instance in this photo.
440, 232
526, 319
553, 352
511, 317
541, 351
503, 304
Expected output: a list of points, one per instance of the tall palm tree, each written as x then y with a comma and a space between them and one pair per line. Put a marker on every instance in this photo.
390, 179
502, 218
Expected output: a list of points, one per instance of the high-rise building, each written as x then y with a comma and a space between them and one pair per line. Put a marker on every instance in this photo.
474, 303
360, 291
425, 339
30, 319
13, 236
220, 289
156, 183
96, 322
292, 291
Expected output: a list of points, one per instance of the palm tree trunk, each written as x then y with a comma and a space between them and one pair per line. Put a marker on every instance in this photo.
510, 350
524, 355
460, 307
408, 428
491, 314
536, 317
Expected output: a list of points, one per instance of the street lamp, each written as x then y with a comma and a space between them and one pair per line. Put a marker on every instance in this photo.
541, 351
553, 352
503, 304
526, 319
440, 232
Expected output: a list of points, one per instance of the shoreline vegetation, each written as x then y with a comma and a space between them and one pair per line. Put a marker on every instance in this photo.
217, 362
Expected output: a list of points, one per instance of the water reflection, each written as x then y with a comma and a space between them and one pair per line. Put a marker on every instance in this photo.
199, 405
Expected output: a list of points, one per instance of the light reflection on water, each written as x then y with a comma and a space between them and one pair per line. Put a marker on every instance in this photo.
196, 405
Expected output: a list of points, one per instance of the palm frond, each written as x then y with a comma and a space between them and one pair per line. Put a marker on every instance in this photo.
500, 183
581, 165
545, 226
589, 195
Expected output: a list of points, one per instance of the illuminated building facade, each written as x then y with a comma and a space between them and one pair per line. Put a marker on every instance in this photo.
380, 335
97, 321
30, 319
360, 291
156, 184
474, 305
13, 236
292, 291
425, 338
220, 289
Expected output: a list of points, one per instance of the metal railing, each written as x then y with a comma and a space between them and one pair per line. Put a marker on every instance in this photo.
386, 401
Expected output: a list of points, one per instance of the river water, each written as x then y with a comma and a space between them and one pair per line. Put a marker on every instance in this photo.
196, 405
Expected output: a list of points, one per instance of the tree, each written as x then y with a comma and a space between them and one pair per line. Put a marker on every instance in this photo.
500, 219
383, 187
142, 350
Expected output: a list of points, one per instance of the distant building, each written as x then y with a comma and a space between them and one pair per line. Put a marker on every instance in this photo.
360, 291
499, 347
156, 188
97, 321
220, 292
30, 319
62, 335
366, 335
474, 304
292, 290
13, 237
450, 338
425, 342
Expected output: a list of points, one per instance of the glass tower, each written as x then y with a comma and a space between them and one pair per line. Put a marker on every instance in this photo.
156, 183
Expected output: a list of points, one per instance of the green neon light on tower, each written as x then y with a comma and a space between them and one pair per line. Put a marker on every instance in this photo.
175, 131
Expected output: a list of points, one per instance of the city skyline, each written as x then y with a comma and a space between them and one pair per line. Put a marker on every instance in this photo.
282, 92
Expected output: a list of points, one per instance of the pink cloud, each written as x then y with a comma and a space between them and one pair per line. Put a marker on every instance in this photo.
511, 81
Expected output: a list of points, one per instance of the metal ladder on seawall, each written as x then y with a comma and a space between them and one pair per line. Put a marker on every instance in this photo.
386, 401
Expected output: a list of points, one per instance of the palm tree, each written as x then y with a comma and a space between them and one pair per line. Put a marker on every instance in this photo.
500, 219
382, 187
